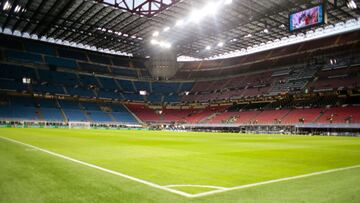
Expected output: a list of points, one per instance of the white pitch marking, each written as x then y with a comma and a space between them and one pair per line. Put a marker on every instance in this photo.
180, 192
274, 181
200, 186
154, 185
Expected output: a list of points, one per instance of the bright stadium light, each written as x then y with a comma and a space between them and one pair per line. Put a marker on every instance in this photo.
165, 45
17, 9
179, 23
154, 42
166, 29
6, 6
142, 92
155, 34
211, 8
196, 16
220, 44
227, 2
266, 30
26, 80
351, 4
208, 47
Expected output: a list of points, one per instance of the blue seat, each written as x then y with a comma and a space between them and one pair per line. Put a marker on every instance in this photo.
69, 104
52, 114
186, 86
109, 94
54, 77
108, 83
72, 53
38, 47
165, 88
61, 62
16, 72
23, 56
89, 80
155, 98
89, 67
124, 117
126, 85
172, 99
121, 61
12, 85
133, 97
75, 115
90, 106
140, 85
97, 58
99, 116
79, 91
124, 72
50, 89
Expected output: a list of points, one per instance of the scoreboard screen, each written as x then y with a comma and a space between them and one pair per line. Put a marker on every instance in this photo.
307, 18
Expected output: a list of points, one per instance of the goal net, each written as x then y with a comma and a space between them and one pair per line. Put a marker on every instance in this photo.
79, 125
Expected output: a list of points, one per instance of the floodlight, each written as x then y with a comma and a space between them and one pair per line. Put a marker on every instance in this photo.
17, 9
154, 42
211, 8
179, 23
142, 92
208, 47
196, 16
220, 44
164, 44
155, 34
166, 29
26, 80
227, 2
6, 6
351, 4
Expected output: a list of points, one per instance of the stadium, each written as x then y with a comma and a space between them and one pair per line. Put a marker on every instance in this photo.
179, 101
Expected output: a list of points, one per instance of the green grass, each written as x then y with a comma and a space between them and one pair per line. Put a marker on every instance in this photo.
168, 158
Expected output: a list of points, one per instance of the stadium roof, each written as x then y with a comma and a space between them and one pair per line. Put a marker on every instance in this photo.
195, 28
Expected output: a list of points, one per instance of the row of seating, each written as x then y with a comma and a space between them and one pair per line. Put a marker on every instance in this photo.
268, 83
68, 83
26, 108
36, 52
219, 115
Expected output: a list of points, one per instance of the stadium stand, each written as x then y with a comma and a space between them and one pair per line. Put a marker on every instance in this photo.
67, 84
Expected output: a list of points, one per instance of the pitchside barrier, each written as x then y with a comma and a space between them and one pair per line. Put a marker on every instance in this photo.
70, 125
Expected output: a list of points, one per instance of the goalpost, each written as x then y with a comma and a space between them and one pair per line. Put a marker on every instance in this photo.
79, 125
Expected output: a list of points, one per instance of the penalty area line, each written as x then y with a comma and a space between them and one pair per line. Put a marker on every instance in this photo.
154, 185
274, 181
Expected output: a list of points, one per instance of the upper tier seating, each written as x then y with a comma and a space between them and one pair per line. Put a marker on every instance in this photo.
338, 78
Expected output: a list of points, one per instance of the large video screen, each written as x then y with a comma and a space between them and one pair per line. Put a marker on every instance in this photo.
307, 18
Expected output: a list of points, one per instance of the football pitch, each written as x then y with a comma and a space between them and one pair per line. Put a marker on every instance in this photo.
62, 165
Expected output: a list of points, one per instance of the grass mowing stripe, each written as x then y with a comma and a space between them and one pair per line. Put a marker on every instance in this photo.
102, 169
275, 181
166, 188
